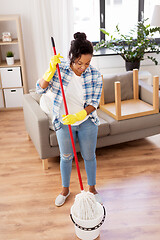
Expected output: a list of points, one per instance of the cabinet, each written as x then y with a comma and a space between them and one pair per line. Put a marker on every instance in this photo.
13, 81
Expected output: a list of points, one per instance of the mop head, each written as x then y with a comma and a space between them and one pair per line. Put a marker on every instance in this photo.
85, 206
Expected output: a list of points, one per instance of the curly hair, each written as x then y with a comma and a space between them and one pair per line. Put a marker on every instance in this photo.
80, 45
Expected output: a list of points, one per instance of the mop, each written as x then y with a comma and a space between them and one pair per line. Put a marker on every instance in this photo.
85, 205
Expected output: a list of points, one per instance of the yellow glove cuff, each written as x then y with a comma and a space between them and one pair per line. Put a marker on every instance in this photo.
72, 118
52, 67
81, 115
49, 74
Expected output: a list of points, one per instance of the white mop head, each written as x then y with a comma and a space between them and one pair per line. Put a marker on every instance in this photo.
85, 206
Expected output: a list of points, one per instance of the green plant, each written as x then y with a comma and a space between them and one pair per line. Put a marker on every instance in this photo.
129, 48
9, 54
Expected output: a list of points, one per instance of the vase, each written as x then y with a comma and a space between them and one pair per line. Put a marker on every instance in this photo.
132, 65
10, 60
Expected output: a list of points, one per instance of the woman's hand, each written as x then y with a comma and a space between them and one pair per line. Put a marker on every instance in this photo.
72, 118
52, 67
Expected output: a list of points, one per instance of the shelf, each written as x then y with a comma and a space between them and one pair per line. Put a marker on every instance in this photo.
14, 41
9, 17
8, 22
10, 108
1, 88
17, 63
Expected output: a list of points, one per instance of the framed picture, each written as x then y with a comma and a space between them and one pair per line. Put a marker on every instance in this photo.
6, 37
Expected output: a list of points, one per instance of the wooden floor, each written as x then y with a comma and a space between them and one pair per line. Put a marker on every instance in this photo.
128, 178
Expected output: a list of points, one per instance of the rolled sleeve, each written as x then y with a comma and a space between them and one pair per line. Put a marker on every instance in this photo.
40, 90
97, 92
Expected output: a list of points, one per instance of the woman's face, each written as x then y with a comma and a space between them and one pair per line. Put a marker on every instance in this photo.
81, 64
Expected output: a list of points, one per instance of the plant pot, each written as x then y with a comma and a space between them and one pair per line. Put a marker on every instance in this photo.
10, 60
132, 65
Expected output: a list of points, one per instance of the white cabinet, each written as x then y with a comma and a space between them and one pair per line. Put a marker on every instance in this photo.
11, 77
13, 97
13, 82
1, 99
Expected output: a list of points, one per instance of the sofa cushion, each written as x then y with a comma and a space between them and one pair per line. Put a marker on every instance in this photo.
126, 81
103, 130
53, 138
35, 95
129, 125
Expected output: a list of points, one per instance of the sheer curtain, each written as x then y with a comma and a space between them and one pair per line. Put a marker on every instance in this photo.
50, 18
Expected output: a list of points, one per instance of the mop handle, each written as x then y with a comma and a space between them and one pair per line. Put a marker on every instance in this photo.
69, 126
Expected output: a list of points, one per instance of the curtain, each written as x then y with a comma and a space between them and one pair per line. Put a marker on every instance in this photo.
50, 18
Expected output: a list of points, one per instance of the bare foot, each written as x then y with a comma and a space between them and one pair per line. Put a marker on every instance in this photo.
65, 191
92, 189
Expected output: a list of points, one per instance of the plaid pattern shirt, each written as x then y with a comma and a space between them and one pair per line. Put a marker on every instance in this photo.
91, 85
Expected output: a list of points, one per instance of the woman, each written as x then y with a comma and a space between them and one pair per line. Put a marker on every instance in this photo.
82, 85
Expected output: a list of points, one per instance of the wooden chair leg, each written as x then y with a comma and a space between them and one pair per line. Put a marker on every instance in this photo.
45, 164
29, 138
156, 93
118, 100
135, 84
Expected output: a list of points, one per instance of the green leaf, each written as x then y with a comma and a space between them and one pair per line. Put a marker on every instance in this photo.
9, 54
104, 31
129, 48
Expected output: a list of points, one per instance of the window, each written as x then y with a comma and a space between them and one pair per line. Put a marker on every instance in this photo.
121, 12
86, 18
91, 15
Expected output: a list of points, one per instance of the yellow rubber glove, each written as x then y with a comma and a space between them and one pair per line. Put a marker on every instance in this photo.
72, 118
52, 67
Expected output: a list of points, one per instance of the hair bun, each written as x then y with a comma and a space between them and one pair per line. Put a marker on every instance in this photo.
80, 36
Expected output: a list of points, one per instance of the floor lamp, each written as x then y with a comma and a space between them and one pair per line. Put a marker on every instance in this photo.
155, 21
156, 16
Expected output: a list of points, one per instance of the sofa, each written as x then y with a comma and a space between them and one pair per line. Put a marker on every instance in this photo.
110, 131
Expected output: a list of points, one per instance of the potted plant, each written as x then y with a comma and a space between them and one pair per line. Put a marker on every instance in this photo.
130, 49
10, 58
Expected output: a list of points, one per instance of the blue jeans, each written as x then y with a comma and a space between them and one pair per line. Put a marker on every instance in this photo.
86, 133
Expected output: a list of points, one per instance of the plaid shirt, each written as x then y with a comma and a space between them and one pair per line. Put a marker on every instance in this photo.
91, 84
